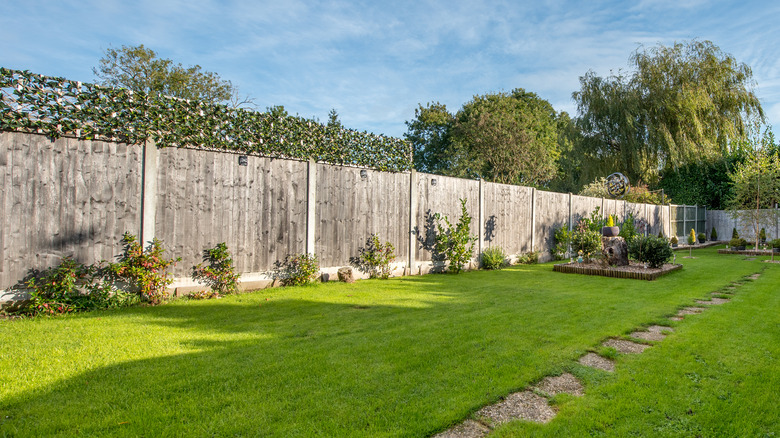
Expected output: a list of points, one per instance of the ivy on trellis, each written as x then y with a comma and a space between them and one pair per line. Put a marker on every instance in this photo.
57, 107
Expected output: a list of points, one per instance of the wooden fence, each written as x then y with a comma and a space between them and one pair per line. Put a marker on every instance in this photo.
77, 197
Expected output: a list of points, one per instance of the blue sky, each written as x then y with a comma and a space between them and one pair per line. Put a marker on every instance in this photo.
375, 61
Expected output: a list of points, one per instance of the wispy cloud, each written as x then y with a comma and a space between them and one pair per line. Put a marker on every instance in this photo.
375, 61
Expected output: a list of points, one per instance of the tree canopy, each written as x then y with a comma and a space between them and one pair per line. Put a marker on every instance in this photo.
138, 68
682, 104
501, 137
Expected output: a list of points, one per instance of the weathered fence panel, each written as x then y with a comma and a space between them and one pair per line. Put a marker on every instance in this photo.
205, 198
64, 197
552, 212
724, 223
507, 221
441, 194
351, 207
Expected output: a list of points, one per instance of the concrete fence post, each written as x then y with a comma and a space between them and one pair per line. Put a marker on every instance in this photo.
311, 191
412, 220
481, 227
533, 219
571, 218
151, 158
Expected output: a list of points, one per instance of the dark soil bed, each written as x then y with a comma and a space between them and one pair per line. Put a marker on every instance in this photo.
634, 270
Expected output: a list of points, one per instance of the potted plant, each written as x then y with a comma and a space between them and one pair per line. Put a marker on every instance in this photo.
734, 234
674, 241
738, 244
610, 230
713, 234
702, 237
762, 236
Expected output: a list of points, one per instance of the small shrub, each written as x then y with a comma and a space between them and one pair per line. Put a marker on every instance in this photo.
702, 237
297, 269
220, 274
734, 234
775, 243
610, 221
652, 250
71, 287
692, 237
737, 242
529, 258
586, 242
455, 243
493, 258
374, 258
762, 235
145, 270
628, 228
713, 234
673, 240
562, 240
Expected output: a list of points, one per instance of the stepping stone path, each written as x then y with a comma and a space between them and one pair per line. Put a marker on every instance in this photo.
623, 346
554, 385
653, 333
593, 360
713, 301
530, 406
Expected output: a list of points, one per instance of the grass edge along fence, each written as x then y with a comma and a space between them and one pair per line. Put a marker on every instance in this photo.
58, 107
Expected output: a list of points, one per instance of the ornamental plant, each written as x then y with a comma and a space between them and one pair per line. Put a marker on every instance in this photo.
610, 221
673, 240
562, 240
652, 250
775, 243
584, 238
220, 274
455, 243
493, 258
762, 235
702, 237
144, 270
713, 234
374, 258
734, 234
529, 258
297, 269
692, 237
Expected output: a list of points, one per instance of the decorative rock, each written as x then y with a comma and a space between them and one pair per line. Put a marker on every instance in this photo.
345, 275
615, 251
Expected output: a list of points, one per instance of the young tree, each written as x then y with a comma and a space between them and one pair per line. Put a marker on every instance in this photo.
430, 136
757, 186
139, 69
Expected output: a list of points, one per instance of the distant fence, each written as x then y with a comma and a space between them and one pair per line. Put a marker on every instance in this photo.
725, 223
76, 197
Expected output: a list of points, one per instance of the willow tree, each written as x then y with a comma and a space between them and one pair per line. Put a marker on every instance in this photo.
681, 104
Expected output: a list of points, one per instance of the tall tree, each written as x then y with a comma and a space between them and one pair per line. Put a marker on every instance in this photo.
509, 137
139, 69
682, 104
430, 136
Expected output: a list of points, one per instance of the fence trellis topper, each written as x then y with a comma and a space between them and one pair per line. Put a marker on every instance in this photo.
55, 106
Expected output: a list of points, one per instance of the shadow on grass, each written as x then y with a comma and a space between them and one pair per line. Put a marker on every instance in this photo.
406, 357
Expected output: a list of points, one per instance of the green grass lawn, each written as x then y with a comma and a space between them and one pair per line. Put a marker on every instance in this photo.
404, 357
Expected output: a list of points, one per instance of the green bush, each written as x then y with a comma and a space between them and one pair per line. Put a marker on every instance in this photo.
628, 228
144, 270
455, 243
220, 274
374, 258
587, 242
737, 241
734, 234
529, 258
71, 287
762, 235
493, 257
775, 243
673, 240
652, 250
702, 237
562, 240
713, 234
297, 269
